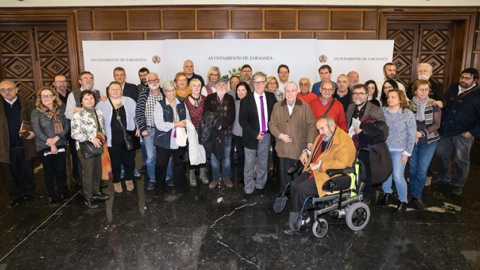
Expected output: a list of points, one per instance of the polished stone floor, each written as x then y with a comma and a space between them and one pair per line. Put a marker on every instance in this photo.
215, 229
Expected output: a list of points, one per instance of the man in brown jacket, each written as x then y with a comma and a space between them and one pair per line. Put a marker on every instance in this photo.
16, 151
293, 125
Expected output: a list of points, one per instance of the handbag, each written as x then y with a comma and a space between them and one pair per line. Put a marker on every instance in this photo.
127, 135
89, 150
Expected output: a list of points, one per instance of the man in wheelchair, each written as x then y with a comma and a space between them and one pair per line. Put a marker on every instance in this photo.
333, 149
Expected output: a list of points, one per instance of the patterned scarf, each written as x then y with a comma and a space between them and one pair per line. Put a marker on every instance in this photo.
55, 116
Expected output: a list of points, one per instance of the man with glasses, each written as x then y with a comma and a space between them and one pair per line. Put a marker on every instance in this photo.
73, 101
255, 112
328, 105
60, 83
144, 114
361, 106
305, 93
459, 126
16, 151
246, 75
142, 75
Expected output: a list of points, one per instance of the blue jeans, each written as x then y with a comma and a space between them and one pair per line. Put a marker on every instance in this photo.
462, 147
419, 161
398, 177
151, 154
226, 166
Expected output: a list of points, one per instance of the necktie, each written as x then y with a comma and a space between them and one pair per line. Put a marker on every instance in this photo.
262, 109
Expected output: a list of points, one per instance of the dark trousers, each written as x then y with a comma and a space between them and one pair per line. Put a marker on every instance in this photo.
91, 174
55, 170
237, 142
120, 156
285, 178
19, 174
163, 156
275, 159
300, 189
76, 165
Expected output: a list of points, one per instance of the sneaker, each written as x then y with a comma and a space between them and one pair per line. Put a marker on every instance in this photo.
306, 221
457, 191
118, 188
91, 203
214, 183
137, 174
151, 185
129, 185
143, 169
101, 196
169, 182
228, 182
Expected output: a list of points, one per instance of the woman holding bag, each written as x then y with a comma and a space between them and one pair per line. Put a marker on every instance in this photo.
119, 115
88, 130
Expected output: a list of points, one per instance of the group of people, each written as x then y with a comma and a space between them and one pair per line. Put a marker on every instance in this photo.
235, 121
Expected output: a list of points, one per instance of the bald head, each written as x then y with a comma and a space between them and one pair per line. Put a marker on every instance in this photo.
342, 83
188, 68
8, 90
353, 77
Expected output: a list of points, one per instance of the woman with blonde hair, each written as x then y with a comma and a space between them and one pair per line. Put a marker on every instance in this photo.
272, 86
183, 90
213, 75
51, 127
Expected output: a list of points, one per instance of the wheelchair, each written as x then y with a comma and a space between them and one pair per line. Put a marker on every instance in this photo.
344, 200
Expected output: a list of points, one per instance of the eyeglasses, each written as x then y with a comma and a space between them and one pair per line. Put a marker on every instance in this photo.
46, 96
327, 89
87, 79
423, 89
153, 81
4, 90
59, 82
259, 82
358, 94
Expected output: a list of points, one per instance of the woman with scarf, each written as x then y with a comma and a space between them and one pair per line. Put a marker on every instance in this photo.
213, 75
50, 127
428, 116
87, 125
183, 90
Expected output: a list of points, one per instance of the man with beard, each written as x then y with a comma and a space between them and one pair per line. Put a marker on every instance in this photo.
424, 72
246, 75
332, 149
361, 107
390, 72
146, 123
73, 101
142, 75
353, 79
459, 127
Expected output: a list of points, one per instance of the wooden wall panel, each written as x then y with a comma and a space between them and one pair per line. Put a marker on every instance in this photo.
305, 35
313, 20
144, 19
280, 19
346, 20
263, 35
128, 36
230, 35
179, 19
329, 35
247, 19
93, 36
370, 20
85, 21
212, 19
110, 19
196, 35
162, 35
361, 35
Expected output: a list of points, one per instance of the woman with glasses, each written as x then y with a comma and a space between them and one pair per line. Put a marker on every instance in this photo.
183, 91
428, 116
51, 127
213, 75
272, 86
387, 86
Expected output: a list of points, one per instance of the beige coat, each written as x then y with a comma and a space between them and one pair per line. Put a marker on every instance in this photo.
300, 126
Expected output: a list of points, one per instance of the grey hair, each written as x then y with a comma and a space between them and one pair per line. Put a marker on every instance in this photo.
259, 74
426, 65
169, 85
291, 83
330, 121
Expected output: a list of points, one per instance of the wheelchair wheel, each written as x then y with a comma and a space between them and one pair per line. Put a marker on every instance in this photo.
357, 216
320, 227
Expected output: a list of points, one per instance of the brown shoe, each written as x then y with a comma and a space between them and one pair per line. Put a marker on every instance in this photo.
214, 183
129, 185
228, 182
117, 187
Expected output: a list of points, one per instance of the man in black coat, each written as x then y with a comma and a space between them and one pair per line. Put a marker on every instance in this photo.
459, 127
255, 111
129, 89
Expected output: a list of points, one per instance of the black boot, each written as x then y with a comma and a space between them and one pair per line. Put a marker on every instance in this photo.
402, 206
419, 203
386, 199
293, 224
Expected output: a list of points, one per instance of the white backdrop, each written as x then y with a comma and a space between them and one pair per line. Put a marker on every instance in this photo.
302, 56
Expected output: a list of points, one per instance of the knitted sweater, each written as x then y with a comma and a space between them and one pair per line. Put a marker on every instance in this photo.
402, 130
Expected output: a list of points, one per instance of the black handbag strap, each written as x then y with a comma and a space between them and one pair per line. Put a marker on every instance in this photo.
96, 116
329, 107
118, 118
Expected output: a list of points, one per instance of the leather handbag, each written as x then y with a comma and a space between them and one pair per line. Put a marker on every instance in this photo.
89, 150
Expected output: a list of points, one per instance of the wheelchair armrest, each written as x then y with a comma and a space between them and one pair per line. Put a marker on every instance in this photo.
348, 170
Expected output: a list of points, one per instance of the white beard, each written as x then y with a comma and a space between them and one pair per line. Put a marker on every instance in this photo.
423, 77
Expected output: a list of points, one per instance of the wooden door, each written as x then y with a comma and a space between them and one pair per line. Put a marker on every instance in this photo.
32, 55
422, 43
